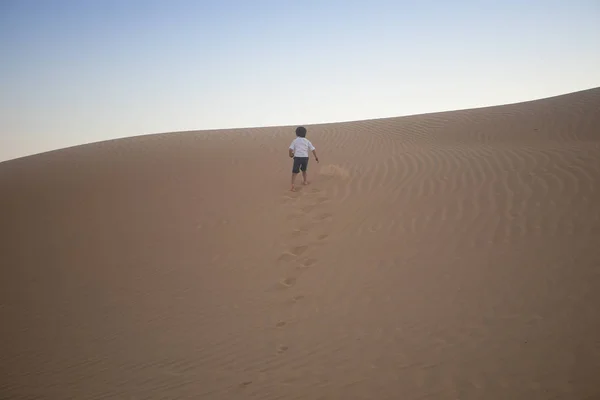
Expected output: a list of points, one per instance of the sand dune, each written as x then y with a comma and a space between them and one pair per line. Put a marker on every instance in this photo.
447, 256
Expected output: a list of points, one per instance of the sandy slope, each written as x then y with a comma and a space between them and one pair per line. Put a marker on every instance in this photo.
450, 255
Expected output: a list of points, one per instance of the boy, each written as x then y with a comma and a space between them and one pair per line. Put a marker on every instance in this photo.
299, 152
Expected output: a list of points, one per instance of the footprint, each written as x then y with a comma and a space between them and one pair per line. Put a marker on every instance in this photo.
323, 217
323, 236
294, 300
246, 383
294, 216
280, 324
322, 200
308, 262
298, 232
282, 349
298, 250
286, 257
315, 190
288, 282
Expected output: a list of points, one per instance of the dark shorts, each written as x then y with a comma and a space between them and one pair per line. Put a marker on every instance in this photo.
300, 164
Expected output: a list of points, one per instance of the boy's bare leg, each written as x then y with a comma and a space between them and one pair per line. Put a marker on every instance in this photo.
293, 181
304, 181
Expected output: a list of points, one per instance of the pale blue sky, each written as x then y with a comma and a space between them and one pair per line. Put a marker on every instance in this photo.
82, 71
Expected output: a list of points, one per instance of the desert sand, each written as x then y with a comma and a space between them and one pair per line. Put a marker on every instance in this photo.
451, 255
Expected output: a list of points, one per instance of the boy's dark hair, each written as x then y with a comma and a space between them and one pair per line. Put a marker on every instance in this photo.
301, 131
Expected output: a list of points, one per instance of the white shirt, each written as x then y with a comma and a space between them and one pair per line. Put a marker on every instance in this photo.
301, 146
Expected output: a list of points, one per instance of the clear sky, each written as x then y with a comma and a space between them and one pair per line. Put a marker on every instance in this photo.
81, 71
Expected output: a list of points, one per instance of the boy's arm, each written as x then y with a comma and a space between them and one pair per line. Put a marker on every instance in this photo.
291, 153
314, 151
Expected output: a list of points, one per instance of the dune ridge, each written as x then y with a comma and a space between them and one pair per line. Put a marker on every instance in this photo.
444, 255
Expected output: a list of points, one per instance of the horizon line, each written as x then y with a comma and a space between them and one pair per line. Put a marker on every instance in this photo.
308, 124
